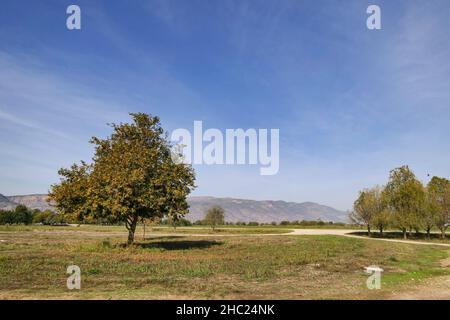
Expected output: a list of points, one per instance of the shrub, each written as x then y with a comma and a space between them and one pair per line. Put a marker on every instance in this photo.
46, 217
20, 215
184, 222
6, 217
215, 216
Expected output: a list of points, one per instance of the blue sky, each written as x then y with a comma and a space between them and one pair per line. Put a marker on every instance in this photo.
350, 103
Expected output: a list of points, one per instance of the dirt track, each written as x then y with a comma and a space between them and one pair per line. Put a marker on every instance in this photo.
348, 233
311, 232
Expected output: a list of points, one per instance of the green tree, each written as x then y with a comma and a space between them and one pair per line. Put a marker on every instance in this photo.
132, 176
23, 215
215, 216
405, 198
360, 215
44, 217
429, 213
369, 209
71, 194
439, 202
364, 209
382, 218
7, 217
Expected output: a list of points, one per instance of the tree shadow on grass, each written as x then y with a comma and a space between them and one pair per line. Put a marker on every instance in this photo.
399, 235
179, 245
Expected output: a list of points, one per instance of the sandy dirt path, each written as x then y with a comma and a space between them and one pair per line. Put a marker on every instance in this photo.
348, 233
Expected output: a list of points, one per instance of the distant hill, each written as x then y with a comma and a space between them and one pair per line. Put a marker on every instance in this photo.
264, 211
33, 201
6, 204
235, 209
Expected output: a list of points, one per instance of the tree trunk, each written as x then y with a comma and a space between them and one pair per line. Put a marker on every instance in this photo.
443, 233
404, 233
381, 230
368, 230
428, 233
131, 226
143, 238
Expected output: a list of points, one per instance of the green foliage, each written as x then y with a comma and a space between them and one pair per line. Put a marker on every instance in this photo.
23, 214
215, 216
405, 196
176, 222
132, 177
182, 222
304, 223
43, 217
439, 202
20, 215
7, 217
48, 217
370, 209
309, 223
71, 194
405, 203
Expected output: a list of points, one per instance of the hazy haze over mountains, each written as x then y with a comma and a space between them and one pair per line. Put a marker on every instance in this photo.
264, 210
5, 203
33, 201
235, 209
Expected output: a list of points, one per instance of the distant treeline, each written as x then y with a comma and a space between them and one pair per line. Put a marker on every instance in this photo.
305, 223
23, 215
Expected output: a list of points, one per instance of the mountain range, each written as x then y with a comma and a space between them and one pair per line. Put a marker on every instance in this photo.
235, 209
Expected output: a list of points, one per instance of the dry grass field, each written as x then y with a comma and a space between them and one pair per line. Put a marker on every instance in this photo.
247, 265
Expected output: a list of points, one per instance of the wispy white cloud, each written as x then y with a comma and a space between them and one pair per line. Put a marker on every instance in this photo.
419, 51
43, 118
29, 124
31, 90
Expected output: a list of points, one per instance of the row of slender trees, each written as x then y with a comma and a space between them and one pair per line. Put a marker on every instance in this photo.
405, 203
